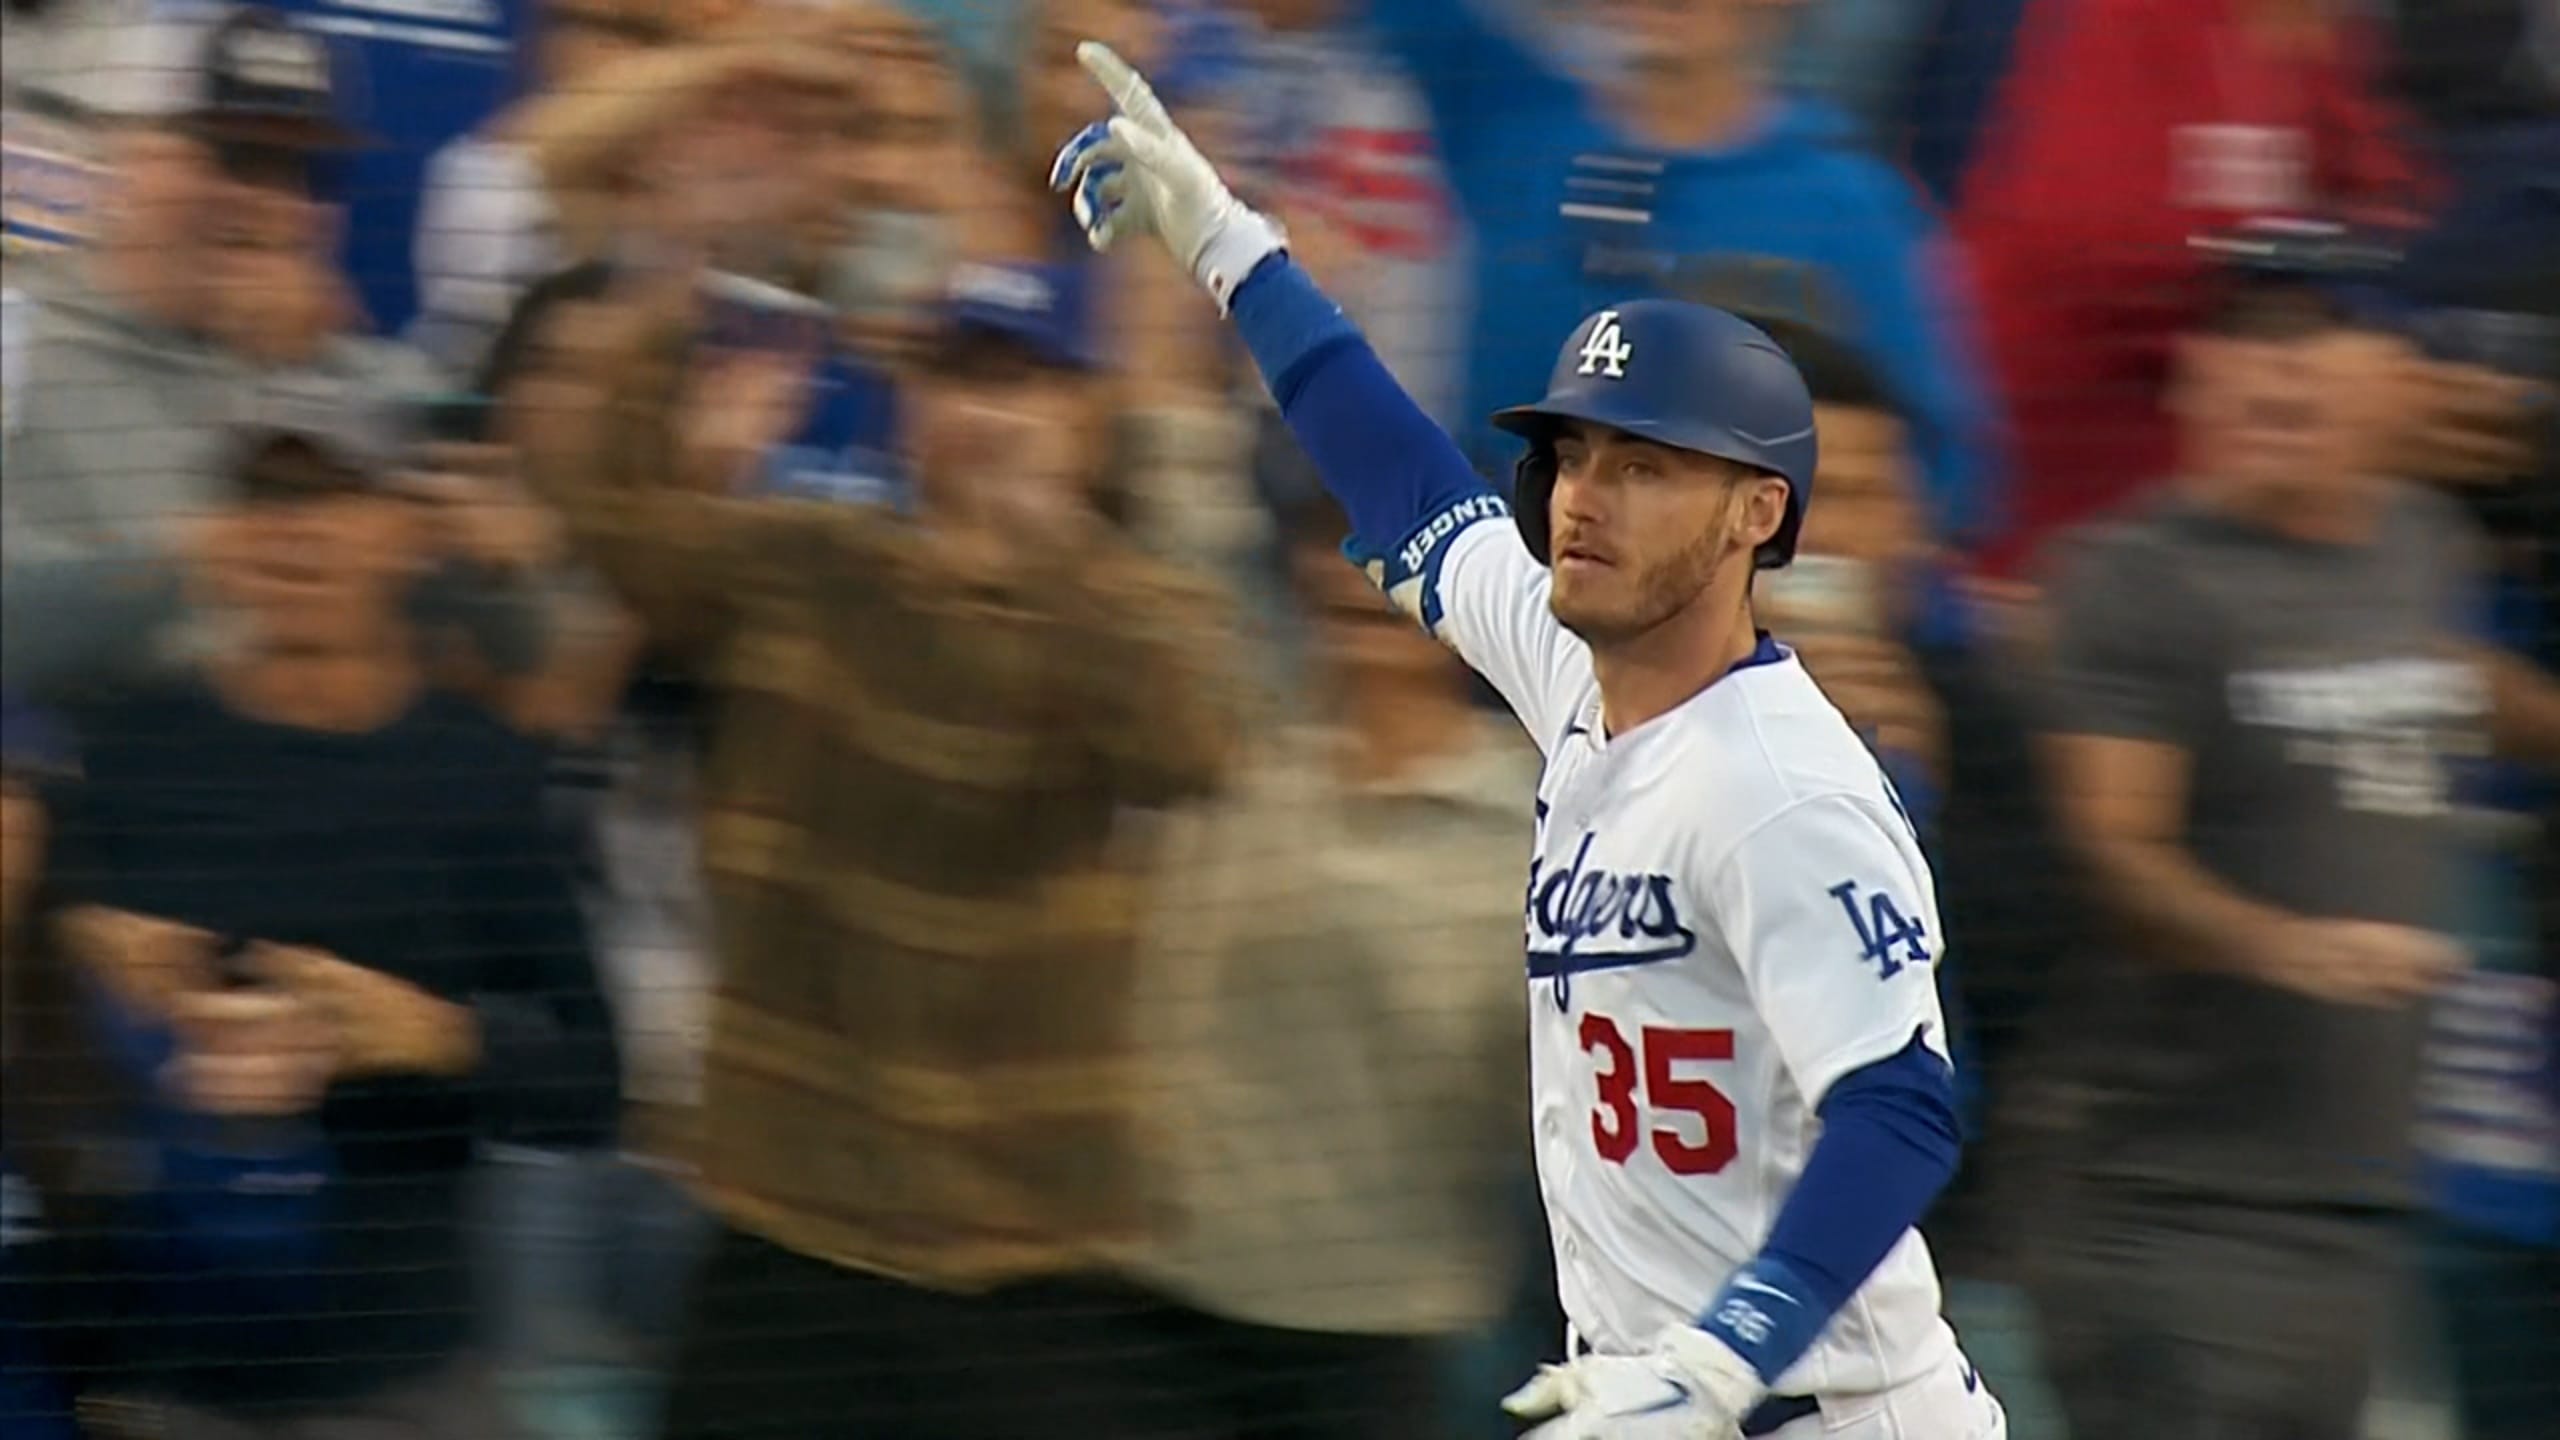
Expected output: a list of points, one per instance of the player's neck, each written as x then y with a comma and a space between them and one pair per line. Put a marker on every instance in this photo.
1658, 671
1699, 107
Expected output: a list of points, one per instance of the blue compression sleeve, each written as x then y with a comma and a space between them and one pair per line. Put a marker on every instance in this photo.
1394, 470
1890, 1138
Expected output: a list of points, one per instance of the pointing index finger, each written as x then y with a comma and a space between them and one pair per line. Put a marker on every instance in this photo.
1128, 89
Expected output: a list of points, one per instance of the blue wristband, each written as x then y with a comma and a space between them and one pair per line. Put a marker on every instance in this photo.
1764, 1315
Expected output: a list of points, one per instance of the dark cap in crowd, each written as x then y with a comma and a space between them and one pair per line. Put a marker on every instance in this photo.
234, 72
284, 466
1037, 310
2296, 274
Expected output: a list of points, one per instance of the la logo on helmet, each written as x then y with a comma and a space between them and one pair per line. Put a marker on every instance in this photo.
1606, 351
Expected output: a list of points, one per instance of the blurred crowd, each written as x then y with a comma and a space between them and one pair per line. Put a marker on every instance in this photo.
672, 770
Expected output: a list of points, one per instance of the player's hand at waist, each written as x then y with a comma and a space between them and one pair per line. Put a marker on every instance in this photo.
1697, 1382
1139, 174
1689, 1386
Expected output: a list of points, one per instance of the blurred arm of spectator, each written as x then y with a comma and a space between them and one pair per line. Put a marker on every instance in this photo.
654, 521
2524, 708
586, 141
25, 740
2464, 424
2131, 689
644, 487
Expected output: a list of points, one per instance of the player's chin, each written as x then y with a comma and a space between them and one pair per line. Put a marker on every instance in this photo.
1584, 607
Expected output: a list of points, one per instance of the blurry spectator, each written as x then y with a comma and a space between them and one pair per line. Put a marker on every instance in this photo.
487, 228
911, 187
433, 74
1858, 55
674, 156
823, 150
207, 301
2126, 126
1327, 130
1164, 350
1340, 1073
33, 1402
589, 1252
2486, 298
326, 944
1686, 173
1964, 57
1847, 603
923, 734
2262, 678
2468, 65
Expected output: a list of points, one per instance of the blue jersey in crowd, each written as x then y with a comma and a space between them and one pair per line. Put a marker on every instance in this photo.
413, 74
2490, 1126
1794, 220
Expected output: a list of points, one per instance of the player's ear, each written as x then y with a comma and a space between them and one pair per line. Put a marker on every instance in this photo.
1760, 511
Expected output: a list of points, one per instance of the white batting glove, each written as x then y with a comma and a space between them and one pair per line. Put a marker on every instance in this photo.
1690, 1386
1139, 174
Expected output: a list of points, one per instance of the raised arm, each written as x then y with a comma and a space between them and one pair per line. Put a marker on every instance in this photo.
1417, 509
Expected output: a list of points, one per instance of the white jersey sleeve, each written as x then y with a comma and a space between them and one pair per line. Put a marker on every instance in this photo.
1829, 908
1484, 596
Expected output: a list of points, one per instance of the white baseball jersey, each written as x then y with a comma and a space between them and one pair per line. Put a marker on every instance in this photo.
1727, 912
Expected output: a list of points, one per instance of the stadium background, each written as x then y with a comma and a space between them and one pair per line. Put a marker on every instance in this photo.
1417, 158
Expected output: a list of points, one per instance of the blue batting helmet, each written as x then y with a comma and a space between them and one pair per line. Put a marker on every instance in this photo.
1679, 374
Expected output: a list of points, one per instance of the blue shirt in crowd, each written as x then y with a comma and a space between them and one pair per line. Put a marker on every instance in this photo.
1794, 220
413, 81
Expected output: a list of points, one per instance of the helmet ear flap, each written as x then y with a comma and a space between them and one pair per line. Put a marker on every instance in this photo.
1533, 480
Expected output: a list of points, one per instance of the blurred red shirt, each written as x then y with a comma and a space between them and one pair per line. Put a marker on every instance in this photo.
2125, 127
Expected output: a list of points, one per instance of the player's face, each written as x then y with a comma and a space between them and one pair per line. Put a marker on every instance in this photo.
1640, 531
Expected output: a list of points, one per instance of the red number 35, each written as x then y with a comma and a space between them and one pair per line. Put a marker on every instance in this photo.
1614, 1120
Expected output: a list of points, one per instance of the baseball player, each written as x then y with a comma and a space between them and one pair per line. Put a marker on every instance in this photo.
1742, 1096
